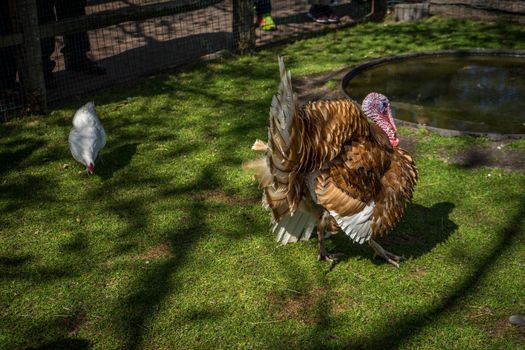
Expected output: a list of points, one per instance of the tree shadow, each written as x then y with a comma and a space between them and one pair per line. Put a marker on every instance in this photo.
78, 244
155, 284
392, 335
27, 191
14, 261
10, 160
116, 159
64, 344
140, 62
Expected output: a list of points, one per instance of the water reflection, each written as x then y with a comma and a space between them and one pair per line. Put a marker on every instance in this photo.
474, 93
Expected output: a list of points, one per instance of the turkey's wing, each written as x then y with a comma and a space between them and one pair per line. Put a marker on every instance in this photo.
347, 187
397, 185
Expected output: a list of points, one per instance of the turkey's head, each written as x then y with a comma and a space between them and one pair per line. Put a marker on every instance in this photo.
377, 107
90, 168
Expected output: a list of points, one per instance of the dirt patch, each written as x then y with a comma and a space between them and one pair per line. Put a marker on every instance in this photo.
419, 271
74, 321
224, 197
310, 307
503, 328
296, 306
493, 154
159, 251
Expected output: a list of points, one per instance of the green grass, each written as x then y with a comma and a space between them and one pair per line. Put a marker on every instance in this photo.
167, 247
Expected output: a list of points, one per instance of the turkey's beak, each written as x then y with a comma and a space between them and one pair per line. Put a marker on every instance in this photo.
90, 169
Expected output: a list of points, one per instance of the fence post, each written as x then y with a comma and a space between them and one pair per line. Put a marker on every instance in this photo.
243, 29
379, 10
33, 73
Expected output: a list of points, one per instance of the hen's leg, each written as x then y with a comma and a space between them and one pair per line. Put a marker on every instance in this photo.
385, 254
323, 254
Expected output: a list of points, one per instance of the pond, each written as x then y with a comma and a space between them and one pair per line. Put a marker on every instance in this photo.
477, 93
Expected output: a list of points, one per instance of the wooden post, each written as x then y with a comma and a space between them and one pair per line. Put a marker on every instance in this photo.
379, 9
33, 74
243, 28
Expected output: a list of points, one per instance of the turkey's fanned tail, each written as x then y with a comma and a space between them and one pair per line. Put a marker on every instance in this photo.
281, 134
301, 140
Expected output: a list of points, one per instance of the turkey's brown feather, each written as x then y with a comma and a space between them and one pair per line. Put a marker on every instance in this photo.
396, 189
366, 171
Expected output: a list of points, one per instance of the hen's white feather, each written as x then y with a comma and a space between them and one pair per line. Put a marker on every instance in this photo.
87, 137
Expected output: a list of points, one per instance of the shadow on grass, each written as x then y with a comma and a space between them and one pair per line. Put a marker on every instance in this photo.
65, 344
115, 159
10, 160
29, 191
392, 335
420, 230
149, 290
153, 283
14, 261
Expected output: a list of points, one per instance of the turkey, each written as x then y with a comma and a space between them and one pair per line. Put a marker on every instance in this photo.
87, 137
326, 168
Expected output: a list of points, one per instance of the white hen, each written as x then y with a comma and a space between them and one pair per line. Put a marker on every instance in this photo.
87, 137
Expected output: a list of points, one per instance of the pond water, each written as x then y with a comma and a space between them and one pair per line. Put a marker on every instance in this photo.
472, 93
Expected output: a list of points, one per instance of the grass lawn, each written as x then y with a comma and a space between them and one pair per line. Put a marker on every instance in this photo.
167, 246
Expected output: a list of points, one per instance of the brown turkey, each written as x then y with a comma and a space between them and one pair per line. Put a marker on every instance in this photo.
327, 168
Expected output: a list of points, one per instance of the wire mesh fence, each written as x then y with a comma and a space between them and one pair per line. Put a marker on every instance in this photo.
51, 50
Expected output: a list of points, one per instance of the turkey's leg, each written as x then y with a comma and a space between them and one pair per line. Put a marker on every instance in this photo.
385, 254
322, 253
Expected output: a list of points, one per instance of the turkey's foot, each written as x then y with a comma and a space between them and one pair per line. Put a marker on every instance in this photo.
385, 254
324, 255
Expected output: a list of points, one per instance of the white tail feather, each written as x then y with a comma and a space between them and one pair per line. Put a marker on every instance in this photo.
296, 227
358, 226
